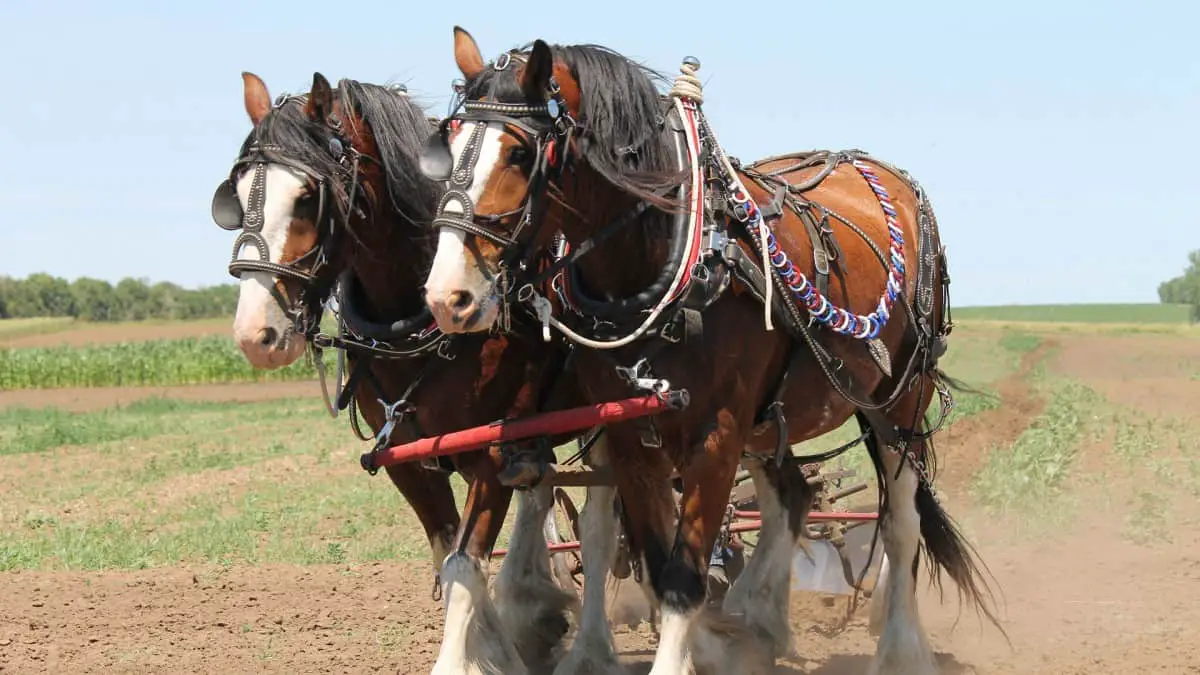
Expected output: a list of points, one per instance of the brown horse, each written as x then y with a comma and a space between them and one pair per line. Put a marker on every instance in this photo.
326, 189
672, 254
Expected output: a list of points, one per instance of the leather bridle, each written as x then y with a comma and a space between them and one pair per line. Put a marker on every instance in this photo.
305, 310
546, 128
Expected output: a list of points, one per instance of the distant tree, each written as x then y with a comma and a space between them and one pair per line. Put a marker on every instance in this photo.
133, 299
7, 287
1185, 288
40, 295
95, 299
164, 301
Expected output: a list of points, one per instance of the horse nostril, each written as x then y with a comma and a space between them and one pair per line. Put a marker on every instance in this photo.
460, 300
267, 336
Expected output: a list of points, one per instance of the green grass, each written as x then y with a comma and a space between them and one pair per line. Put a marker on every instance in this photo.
24, 430
975, 359
31, 431
1149, 521
11, 329
164, 482
1019, 342
1162, 455
200, 360
1084, 313
1028, 475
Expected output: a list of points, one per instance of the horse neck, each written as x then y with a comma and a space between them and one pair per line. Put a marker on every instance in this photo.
388, 252
625, 263
387, 259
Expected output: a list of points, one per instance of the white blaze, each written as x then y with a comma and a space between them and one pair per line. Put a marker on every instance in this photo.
257, 308
454, 269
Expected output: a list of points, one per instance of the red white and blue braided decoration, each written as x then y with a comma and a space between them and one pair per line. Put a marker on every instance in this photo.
819, 307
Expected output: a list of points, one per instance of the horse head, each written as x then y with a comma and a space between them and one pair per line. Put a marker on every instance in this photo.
318, 180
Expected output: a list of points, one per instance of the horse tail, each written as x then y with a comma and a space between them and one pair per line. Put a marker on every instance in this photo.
943, 542
958, 385
949, 551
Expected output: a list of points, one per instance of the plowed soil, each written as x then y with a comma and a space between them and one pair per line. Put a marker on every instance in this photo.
1082, 600
83, 333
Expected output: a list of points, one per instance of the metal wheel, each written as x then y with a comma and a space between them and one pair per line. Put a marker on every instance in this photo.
562, 526
832, 487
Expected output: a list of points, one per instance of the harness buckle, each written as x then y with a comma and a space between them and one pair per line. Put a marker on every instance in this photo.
639, 377
717, 240
673, 331
541, 307
393, 413
444, 351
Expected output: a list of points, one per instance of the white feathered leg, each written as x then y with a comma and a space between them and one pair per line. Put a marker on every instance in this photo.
592, 652
903, 648
532, 608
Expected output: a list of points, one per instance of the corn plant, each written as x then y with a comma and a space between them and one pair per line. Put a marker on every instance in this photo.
200, 360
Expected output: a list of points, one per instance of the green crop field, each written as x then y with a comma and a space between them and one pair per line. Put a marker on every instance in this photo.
202, 360
1099, 313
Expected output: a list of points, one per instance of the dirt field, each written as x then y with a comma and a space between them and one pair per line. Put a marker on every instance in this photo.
82, 333
1103, 578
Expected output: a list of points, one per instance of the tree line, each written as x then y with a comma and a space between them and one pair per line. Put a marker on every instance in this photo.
43, 295
1185, 288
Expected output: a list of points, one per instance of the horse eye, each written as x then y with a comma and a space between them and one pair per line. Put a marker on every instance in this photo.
518, 155
306, 198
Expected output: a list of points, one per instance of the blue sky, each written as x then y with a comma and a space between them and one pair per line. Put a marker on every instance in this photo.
1057, 140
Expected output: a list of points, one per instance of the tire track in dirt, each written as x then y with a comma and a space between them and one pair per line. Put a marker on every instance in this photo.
965, 443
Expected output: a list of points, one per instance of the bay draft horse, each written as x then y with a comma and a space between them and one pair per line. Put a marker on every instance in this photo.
666, 286
326, 188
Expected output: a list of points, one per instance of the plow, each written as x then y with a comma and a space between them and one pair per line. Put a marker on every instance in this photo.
838, 555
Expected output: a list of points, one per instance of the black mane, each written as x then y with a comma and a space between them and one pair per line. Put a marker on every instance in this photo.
400, 129
620, 117
398, 126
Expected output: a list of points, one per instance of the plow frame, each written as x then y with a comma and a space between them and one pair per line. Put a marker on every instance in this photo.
824, 525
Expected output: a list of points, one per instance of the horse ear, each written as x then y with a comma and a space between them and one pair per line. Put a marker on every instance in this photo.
466, 53
256, 97
320, 99
536, 76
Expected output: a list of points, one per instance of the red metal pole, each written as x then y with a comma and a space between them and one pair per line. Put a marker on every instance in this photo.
559, 421
848, 516
554, 548
745, 526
